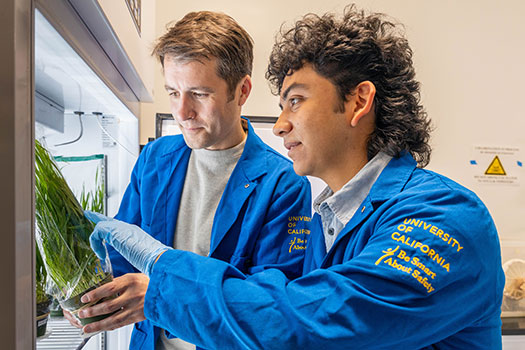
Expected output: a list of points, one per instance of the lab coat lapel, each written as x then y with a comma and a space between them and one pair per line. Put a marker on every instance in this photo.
171, 183
335, 254
391, 181
242, 182
237, 191
316, 247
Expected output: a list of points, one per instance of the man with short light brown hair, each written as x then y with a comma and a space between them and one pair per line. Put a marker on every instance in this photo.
218, 190
206, 35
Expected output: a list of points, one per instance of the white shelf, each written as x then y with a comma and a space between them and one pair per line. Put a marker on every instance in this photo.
60, 334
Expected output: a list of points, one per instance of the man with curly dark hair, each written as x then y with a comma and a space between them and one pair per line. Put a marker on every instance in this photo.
399, 257
361, 48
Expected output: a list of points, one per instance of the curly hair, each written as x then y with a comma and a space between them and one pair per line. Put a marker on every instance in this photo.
356, 48
207, 34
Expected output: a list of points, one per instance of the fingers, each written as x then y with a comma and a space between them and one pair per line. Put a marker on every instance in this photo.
103, 233
128, 306
119, 319
131, 289
103, 308
95, 217
96, 240
72, 319
107, 290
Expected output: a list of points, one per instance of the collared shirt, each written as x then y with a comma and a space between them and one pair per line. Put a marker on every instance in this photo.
336, 209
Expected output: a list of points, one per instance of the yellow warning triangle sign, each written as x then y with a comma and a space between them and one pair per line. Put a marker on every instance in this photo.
495, 168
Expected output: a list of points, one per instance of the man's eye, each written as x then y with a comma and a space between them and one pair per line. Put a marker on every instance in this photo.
174, 93
199, 94
294, 101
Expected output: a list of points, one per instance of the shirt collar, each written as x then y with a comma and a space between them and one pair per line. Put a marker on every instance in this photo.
345, 202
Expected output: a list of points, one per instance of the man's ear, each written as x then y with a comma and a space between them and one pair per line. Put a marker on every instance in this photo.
363, 101
245, 89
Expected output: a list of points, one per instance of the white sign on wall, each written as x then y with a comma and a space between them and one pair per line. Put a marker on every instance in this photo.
496, 165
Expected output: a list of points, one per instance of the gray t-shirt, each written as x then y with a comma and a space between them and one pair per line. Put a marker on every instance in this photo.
206, 178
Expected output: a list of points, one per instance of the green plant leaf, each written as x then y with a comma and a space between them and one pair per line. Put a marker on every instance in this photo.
62, 230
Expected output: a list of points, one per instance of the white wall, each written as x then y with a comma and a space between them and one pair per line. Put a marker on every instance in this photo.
137, 46
469, 58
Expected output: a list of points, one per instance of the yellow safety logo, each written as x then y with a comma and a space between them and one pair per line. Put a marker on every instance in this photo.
495, 168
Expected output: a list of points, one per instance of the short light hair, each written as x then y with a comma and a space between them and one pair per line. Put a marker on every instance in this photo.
208, 35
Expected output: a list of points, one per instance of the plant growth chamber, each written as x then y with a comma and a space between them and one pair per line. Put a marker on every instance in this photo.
68, 82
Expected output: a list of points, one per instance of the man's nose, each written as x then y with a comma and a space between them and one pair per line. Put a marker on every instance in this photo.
184, 109
282, 126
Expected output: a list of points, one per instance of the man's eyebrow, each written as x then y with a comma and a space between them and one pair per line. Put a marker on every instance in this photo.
293, 86
199, 88
289, 88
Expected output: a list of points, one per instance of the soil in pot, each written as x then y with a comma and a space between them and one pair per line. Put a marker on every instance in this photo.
74, 305
42, 315
55, 309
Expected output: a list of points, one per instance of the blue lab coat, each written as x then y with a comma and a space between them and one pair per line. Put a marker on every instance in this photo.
417, 265
261, 222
